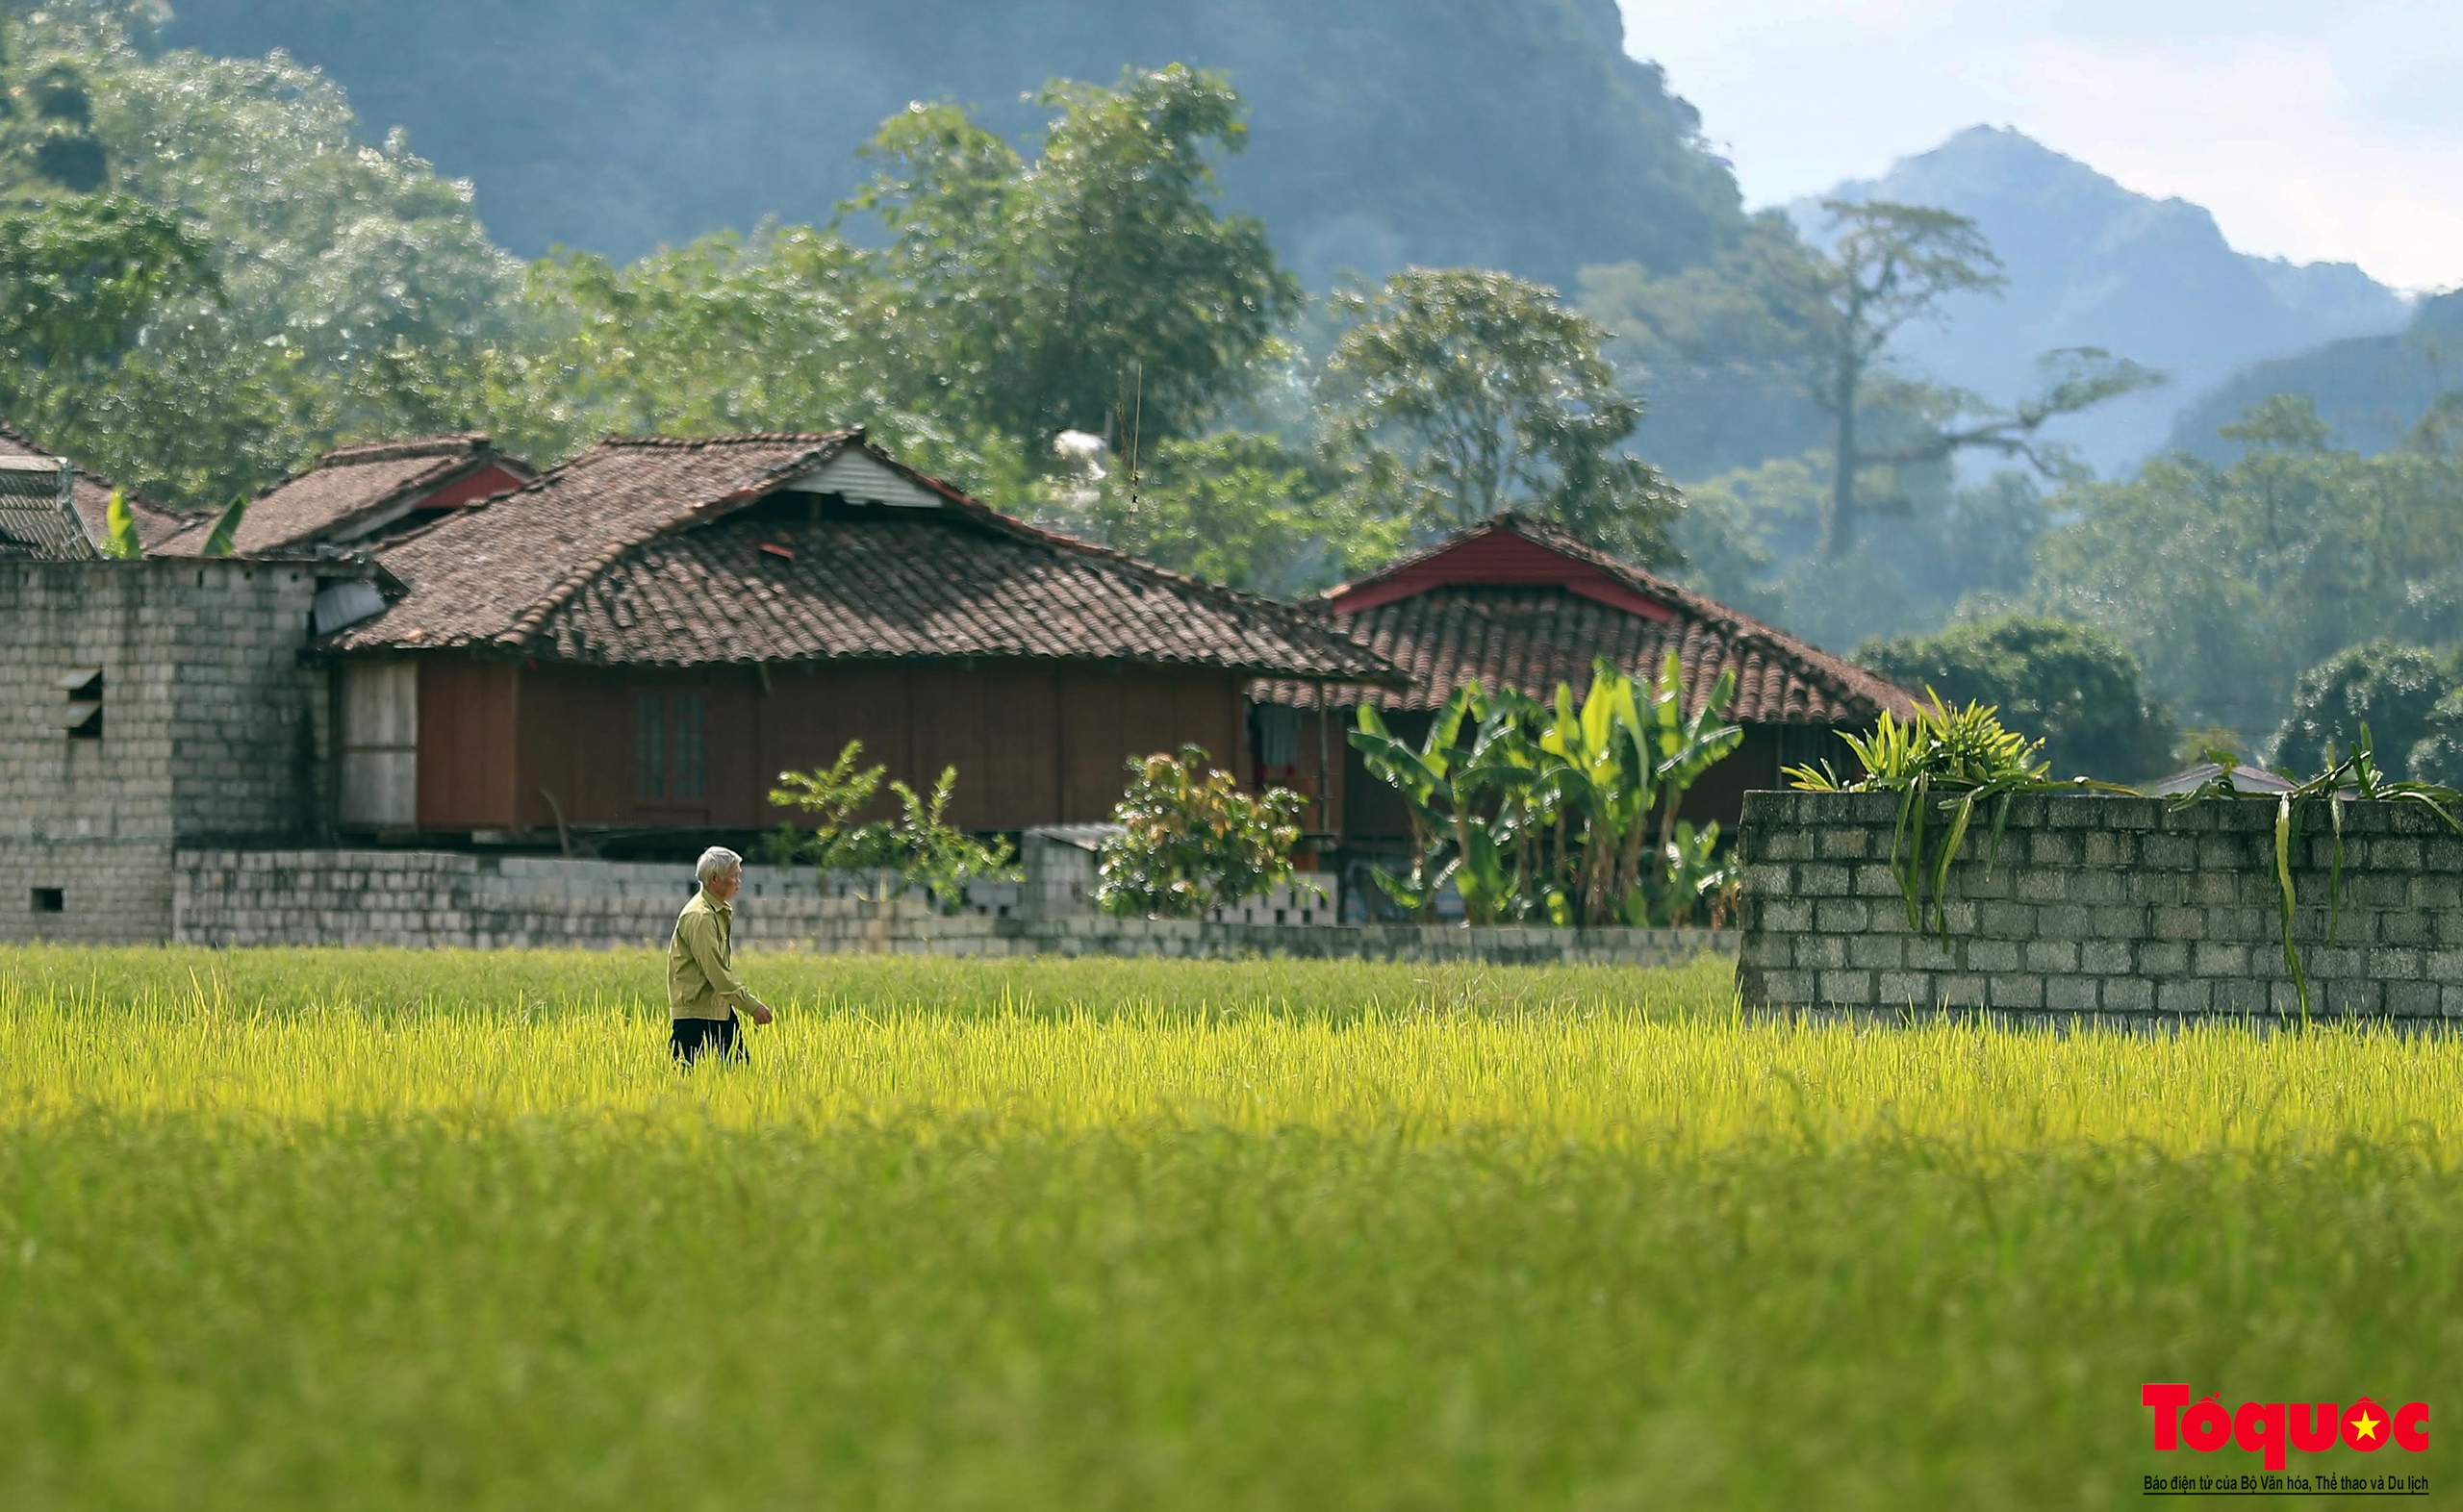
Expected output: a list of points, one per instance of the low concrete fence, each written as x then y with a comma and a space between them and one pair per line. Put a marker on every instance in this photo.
2105, 907
424, 898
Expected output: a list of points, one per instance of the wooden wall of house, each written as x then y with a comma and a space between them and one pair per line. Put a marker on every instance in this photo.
512, 746
466, 743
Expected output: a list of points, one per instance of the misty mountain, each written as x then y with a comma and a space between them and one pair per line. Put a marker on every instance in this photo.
2092, 264
1505, 133
2371, 390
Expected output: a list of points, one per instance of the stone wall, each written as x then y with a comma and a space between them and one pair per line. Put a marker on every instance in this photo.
210, 726
2102, 906
426, 899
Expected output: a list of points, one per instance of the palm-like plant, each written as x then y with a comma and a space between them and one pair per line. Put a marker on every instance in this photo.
1547, 811
1945, 760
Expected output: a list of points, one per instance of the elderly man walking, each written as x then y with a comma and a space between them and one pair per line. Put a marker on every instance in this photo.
701, 987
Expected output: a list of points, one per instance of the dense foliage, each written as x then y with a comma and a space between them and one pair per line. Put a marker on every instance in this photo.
1563, 813
2392, 691
2073, 686
1455, 394
277, 284
929, 857
2228, 582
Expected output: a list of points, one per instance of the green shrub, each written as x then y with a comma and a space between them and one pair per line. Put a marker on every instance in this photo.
929, 856
2075, 686
2392, 689
1193, 843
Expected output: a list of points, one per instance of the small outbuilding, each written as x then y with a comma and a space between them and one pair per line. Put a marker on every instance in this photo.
90, 497
357, 496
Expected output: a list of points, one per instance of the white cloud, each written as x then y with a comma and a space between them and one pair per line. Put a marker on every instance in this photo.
2313, 132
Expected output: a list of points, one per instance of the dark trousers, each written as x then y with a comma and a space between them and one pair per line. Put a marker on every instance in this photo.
691, 1037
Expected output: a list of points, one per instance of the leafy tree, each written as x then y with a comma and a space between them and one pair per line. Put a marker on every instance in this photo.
773, 332
83, 275
47, 138
350, 288
1749, 538
2226, 582
1892, 264
2395, 689
1057, 294
1192, 842
1237, 509
1793, 344
2075, 686
2438, 755
1718, 350
1458, 393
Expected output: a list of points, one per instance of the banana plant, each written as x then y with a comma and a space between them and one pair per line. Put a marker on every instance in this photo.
223, 538
1548, 812
1692, 873
1425, 778
1688, 746
119, 539
1447, 786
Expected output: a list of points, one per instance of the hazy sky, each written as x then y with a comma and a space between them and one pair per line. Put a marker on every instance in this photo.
2321, 128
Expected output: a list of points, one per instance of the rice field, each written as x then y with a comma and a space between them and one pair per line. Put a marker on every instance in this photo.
389, 1229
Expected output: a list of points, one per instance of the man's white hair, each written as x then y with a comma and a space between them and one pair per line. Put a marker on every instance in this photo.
716, 862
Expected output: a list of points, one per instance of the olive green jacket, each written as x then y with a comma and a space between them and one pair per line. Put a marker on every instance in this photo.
701, 980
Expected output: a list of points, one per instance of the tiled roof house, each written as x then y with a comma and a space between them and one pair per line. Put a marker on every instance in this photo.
356, 496
155, 526
642, 639
1517, 601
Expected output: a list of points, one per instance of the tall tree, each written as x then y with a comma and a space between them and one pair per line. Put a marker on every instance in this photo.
1892, 264
1458, 393
1099, 278
1237, 509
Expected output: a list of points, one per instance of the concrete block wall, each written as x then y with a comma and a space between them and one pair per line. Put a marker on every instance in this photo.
417, 899
2101, 906
212, 726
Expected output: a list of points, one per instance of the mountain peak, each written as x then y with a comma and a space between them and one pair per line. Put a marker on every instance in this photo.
2092, 263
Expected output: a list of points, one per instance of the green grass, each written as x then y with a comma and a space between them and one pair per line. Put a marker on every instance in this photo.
385, 1229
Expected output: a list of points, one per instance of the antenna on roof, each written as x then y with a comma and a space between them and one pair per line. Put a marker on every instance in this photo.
1136, 422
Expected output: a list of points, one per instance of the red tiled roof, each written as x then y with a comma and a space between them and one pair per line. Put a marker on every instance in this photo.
155, 524
352, 485
645, 552
1533, 636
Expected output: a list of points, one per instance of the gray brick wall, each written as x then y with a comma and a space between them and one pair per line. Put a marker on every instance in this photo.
2102, 906
419, 899
212, 727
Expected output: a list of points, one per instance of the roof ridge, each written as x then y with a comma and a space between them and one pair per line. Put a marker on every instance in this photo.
1043, 535
460, 443
731, 438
